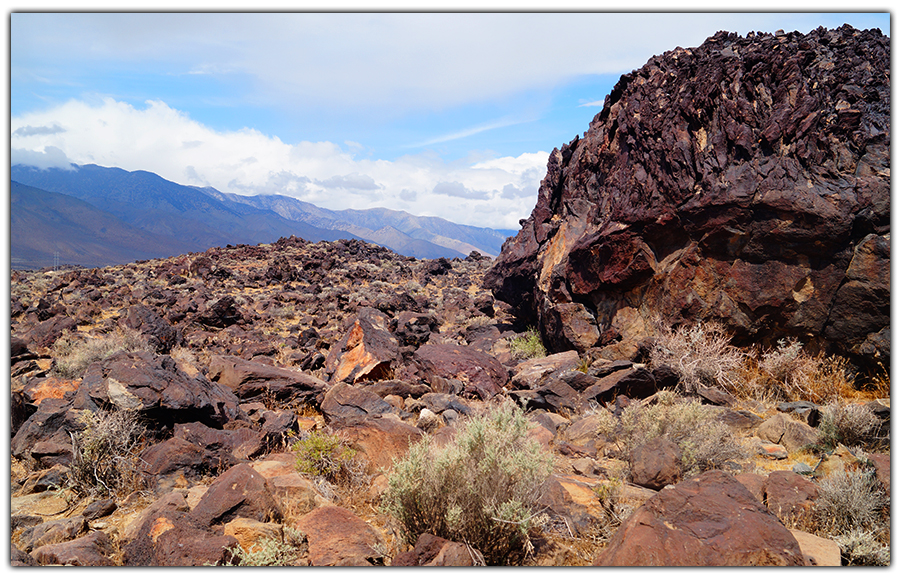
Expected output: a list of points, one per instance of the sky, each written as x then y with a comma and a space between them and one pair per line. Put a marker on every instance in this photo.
441, 114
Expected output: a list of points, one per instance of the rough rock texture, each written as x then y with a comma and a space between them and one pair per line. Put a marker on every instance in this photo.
746, 181
711, 520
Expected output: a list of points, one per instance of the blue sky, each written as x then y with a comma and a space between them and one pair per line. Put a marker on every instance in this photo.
449, 114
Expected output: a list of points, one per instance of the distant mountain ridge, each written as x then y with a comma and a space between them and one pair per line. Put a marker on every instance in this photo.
192, 219
380, 225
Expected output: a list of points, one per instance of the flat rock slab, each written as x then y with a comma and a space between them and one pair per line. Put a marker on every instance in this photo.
339, 538
710, 520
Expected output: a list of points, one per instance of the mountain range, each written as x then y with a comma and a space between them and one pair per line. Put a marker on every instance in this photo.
96, 216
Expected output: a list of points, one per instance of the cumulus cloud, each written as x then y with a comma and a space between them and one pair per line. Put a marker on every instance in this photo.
488, 191
49, 157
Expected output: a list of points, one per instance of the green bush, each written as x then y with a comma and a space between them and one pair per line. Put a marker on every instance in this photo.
706, 443
327, 456
105, 453
271, 552
482, 488
527, 345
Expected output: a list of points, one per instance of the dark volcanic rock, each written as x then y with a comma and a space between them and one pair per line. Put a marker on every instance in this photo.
250, 379
160, 334
710, 520
746, 180
477, 372
153, 385
368, 351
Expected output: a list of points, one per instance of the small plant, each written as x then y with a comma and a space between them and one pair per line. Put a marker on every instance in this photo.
72, 356
701, 354
105, 453
848, 424
326, 456
705, 442
527, 345
862, 548
270, 551
849, 500
482, 488
787, 373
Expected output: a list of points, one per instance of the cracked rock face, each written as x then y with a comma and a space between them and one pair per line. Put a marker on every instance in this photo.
746, 181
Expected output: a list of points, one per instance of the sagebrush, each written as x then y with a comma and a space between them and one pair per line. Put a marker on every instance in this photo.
527, 345
482, 488
327, 456
706, 443
271, 551
848, 424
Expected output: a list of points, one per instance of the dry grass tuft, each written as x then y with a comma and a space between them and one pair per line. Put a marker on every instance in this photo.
701, 354
105, 454
72, 356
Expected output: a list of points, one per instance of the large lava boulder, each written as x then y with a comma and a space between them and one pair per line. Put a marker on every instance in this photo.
745, 181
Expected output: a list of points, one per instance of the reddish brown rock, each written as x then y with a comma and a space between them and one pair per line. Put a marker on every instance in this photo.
250, 380
346, 401
45, 334
339, 538
729, 181
788, 494
635, 383
155, 386
160, 335
817, 551
477, 372
656, 464
379, 440
41, 388
793, 435
173, 539
240, 491
710, 520
92, 550
368, 351
432, 551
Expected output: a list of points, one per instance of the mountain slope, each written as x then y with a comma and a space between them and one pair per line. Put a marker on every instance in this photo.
43, 223
200, 218
458, 238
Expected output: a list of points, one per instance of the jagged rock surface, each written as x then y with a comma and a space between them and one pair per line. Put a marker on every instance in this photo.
746, 180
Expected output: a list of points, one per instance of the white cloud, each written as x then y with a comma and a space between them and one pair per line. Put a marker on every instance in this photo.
45, 159
168, 142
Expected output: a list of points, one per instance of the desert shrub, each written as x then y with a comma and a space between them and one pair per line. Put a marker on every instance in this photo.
863, 548
849, 424
788, 373
105, 453
849, 500
615, 510
701, 354
706, 443
270, 551
72, 356
326, 456
527, 345
482, 488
